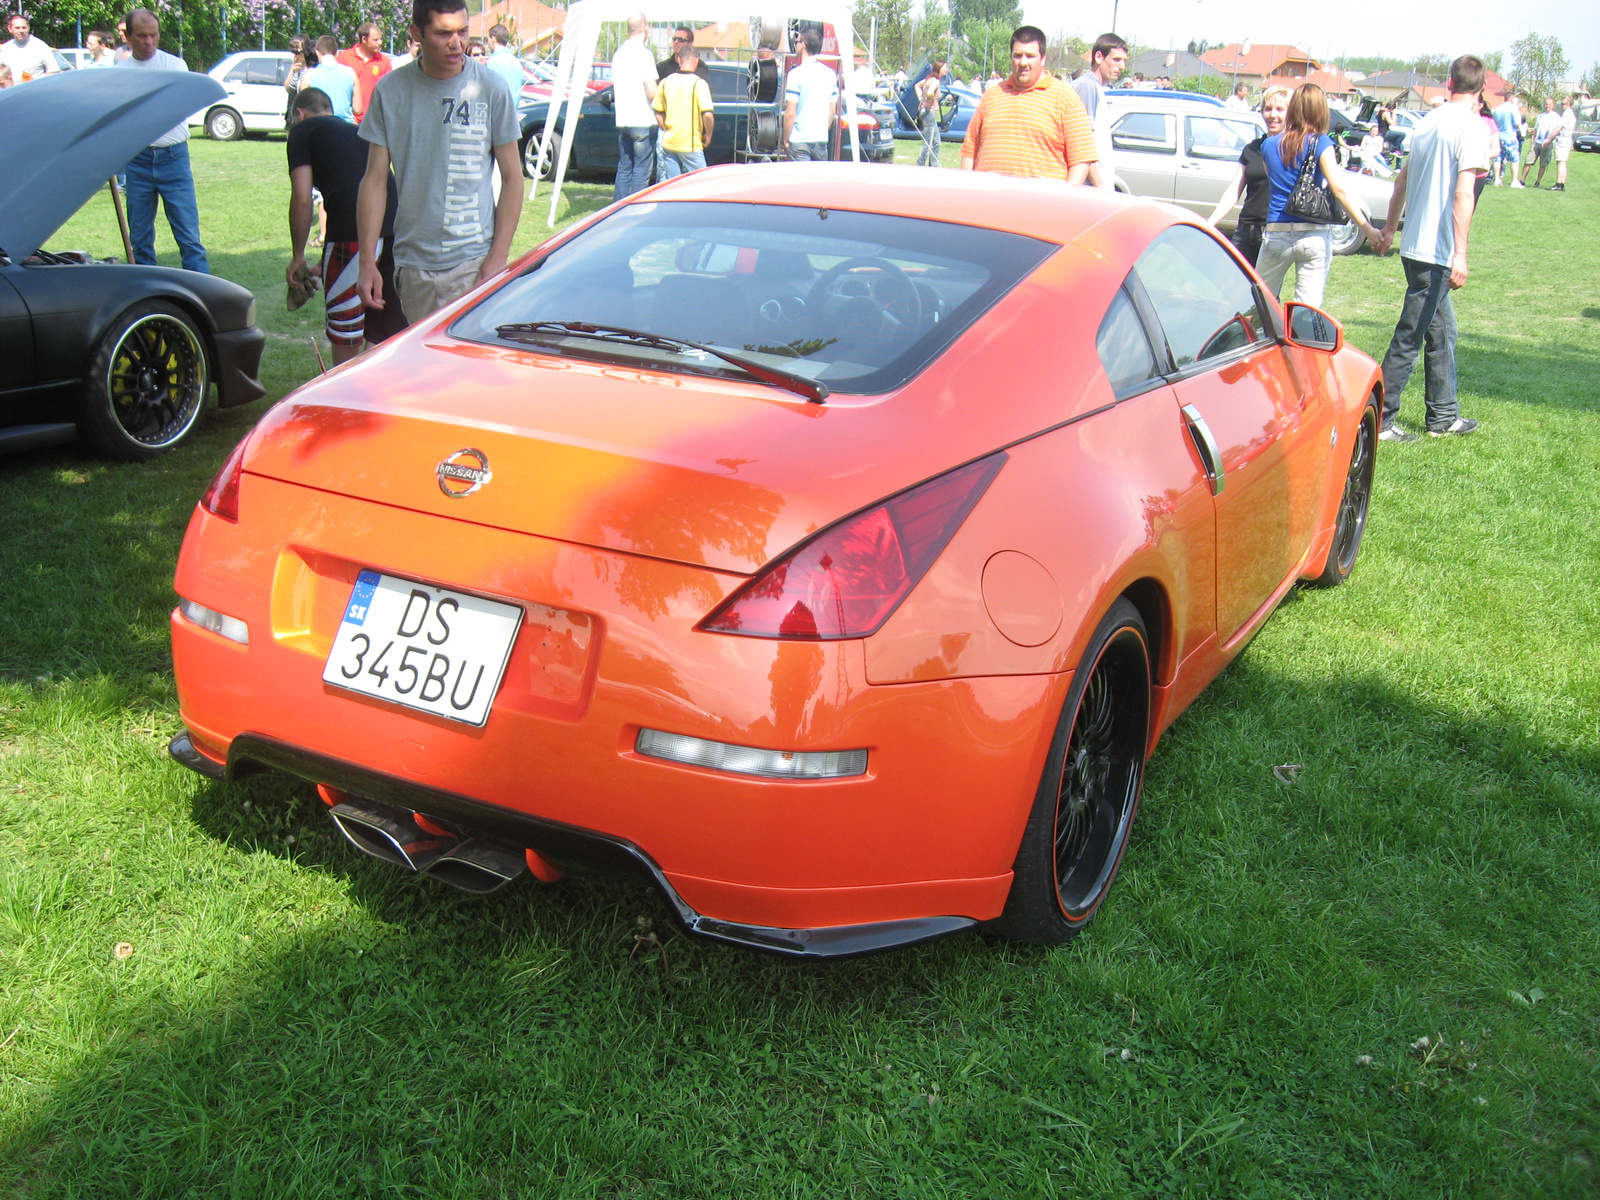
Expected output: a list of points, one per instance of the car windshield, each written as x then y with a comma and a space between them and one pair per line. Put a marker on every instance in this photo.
858, 302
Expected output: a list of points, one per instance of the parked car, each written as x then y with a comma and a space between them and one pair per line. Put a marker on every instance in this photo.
72, 58
741, 535
120, 356
956, 106
539, 79
1587, 137
255, 99
1185, 148
741, 125
1403, 121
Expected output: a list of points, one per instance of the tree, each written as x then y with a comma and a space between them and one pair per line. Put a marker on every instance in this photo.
930, 33
1432, 66
1537, 65
967, 14
1591, 81
1493, 60
984, 48
1198, 48
894, 31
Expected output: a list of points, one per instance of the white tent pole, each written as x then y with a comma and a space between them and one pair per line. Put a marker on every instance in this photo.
587, 37
558, 91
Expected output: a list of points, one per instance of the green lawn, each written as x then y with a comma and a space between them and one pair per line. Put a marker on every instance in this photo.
1244, 1018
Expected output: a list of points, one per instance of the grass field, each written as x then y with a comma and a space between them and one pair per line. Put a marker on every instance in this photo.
204, 992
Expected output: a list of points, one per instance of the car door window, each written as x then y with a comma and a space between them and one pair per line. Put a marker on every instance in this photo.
729, 86
1145, 133
254, 70
1124, 349
1206, 304
1217, 137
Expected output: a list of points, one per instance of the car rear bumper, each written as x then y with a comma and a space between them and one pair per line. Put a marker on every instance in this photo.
238, 364
567, 845
929, 831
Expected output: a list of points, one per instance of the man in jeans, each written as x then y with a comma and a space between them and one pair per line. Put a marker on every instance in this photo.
1435, 192
633, 90
161, 171
446, 123
810, 97
684, 112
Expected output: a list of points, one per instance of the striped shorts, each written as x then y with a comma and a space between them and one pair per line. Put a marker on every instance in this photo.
341, 269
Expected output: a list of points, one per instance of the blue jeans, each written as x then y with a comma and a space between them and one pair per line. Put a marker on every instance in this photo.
931, 138
165, 173
1427, 321
676, 162
636, 158
808, 151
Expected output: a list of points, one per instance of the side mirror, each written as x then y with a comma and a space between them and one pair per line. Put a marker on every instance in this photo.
607, 98
1313, 329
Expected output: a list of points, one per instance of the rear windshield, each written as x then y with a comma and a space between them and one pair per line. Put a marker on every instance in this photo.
858, 301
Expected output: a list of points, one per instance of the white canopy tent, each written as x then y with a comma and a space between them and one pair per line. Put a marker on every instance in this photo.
582, 35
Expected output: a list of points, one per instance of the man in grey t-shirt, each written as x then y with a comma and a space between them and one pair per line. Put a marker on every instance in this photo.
445, 123
1108, 58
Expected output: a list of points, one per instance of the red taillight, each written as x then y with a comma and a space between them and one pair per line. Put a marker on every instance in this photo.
221, 498
845, 581
866, 122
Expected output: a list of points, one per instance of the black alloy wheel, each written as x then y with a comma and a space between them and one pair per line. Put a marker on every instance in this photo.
1084, 809
1351, 523
146, 384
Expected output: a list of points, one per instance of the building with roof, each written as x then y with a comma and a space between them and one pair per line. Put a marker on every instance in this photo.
535, 27
1153, 64
1386, 86
1254, 64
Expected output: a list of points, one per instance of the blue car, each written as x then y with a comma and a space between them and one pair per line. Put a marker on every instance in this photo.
956, 106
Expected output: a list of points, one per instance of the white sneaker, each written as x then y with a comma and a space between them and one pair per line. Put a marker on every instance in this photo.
1516, 183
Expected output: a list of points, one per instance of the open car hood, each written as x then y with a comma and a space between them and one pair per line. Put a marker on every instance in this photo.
65, 135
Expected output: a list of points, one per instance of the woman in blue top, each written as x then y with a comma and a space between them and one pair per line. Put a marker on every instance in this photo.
1309, 247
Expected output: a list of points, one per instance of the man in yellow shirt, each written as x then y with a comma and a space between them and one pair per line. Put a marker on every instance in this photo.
684, 112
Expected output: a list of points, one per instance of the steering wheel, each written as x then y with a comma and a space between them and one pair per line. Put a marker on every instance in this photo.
903, 305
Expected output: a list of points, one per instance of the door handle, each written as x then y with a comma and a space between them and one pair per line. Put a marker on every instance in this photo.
1206, 446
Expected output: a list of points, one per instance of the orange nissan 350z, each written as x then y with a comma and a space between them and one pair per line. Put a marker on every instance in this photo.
830, 543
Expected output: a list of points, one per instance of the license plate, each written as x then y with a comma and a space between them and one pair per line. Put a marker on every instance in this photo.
427, 648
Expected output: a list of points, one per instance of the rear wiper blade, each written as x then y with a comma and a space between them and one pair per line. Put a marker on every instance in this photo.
813, 390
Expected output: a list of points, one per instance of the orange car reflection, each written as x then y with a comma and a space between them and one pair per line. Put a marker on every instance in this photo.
832, 545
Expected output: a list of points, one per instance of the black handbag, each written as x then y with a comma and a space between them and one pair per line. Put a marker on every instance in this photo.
1311, 202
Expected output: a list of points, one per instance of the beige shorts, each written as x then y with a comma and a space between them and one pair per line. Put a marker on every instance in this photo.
1563, 152
423, 292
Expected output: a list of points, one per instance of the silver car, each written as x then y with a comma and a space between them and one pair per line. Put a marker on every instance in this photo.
1185, 149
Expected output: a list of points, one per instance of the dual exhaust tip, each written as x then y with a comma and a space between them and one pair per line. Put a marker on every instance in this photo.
417, 843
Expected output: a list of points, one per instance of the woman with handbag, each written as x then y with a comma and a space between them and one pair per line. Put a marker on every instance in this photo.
1308, 201
1251, 179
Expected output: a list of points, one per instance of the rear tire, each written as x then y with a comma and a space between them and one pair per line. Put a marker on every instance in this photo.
532, 166
1348, 238
146, 383
1083, 811
224, 125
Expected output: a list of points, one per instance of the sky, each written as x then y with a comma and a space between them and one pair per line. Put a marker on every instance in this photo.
1326, 31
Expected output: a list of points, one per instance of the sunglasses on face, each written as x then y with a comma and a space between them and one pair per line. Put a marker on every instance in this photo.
676, 38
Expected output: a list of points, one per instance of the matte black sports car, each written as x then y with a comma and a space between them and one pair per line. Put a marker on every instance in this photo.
122, 356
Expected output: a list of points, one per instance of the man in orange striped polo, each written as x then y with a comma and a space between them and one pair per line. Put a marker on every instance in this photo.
1031, 124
